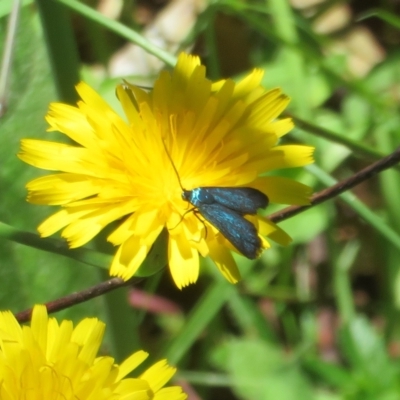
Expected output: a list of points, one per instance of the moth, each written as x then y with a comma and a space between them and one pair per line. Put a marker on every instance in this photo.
224, 208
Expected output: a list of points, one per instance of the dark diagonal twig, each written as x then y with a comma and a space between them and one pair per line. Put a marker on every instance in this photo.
340, 187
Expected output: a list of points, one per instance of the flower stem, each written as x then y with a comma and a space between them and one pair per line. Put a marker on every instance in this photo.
120, 29
61, 48
354, 145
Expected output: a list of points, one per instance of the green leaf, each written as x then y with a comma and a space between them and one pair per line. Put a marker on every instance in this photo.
384, 15
6, 6
29, 275
329, 373
365, 351
156, 258
307, 225
262, 371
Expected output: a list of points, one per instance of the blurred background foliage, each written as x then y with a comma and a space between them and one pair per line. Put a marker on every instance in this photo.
316, 320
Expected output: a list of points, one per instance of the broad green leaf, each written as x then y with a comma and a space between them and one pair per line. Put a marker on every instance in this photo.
28, 275
262, 371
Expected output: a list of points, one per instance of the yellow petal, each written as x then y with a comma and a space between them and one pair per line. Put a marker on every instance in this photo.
223, 259
273, 231
88, 334
55, 222
249, 83
131, 363
170, 393
183, 261
283, 190
282, 126
39, 326
288, 156
61, 189
72, 122
128, 258
158, 374
9, 328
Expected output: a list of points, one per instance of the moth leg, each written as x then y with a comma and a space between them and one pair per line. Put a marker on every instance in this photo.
183, 216
197, 213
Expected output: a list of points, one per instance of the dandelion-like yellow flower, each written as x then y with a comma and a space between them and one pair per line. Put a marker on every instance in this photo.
47, 360
185, 133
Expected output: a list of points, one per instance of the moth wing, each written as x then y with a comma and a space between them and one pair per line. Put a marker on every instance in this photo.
238, 230
242, 200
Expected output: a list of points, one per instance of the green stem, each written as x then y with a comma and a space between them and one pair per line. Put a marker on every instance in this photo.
354, 145
61, 48
85, 256
122, 324
285, 26
205, 310
8, 53
342, 285
213, 68
120, 29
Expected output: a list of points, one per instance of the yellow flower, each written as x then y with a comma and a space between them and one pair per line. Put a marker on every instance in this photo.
55, 361
206, 134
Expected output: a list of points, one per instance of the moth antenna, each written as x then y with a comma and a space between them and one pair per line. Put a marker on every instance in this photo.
172, 163
180, 184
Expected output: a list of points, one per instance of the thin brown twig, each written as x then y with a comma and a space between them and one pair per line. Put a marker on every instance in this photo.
317, 198
340, 187
78, 297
